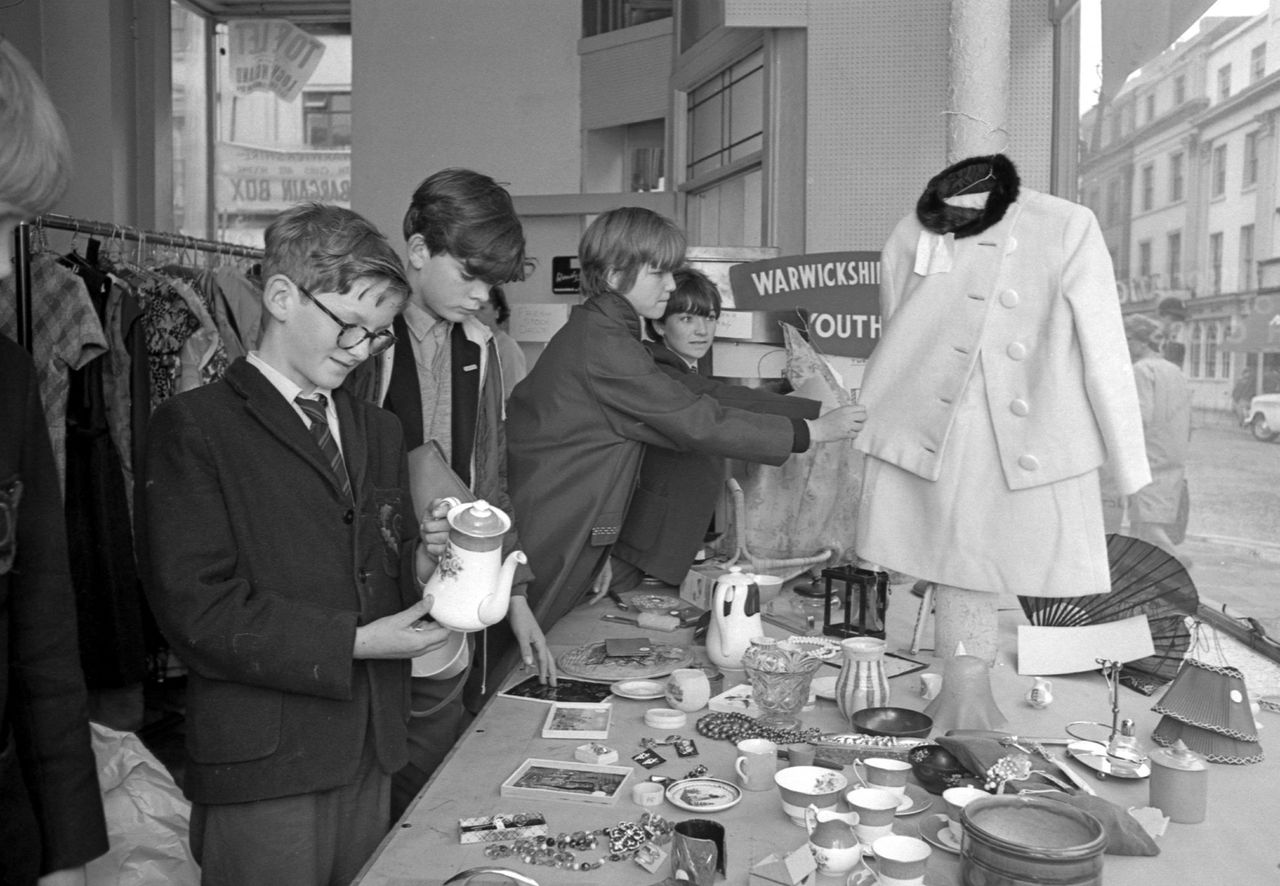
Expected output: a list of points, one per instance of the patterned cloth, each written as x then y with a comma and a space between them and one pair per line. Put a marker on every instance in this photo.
67, 335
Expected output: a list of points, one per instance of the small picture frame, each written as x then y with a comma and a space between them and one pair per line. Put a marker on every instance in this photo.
567, 780
577, 720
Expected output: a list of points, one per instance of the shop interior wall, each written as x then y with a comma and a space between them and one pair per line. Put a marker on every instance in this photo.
491, 85
106, 65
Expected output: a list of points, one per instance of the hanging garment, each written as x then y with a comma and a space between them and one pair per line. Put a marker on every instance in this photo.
99, 534
999, 387
67, 335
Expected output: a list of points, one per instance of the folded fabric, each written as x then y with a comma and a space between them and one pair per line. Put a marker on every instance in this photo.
1125, 834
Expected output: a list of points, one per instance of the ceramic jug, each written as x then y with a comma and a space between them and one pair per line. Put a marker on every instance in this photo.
832, 839
471, 586
735, 618
863, 682
1040, 695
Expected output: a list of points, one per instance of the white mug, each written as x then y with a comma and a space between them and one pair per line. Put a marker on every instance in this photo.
757, 763
688, 689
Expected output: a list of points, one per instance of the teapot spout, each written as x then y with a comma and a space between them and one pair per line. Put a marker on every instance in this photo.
493, 608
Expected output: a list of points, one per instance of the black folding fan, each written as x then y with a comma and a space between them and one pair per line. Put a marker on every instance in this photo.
1144, 580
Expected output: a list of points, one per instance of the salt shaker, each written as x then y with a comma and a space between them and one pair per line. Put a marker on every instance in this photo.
1179, 783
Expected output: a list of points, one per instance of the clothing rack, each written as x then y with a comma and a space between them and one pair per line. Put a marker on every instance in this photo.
53, 220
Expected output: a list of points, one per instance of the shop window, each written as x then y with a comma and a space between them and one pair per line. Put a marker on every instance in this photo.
327, 119
247, 144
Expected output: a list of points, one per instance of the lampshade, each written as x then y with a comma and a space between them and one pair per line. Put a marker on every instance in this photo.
965, 701
1211, 745
1210, 697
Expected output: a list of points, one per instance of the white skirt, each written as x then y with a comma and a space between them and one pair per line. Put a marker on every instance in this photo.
969, 530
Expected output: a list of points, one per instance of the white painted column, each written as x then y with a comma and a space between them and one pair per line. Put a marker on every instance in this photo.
979, 58
977, 123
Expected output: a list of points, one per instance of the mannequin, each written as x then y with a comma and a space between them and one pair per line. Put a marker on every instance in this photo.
1001, 384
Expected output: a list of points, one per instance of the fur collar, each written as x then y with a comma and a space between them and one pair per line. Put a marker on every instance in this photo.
995, 174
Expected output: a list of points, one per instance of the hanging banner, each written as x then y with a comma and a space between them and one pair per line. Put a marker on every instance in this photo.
271, 55
837, 292
253, 180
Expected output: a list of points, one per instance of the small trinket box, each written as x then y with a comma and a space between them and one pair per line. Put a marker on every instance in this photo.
594, 752
664, 718
496, 828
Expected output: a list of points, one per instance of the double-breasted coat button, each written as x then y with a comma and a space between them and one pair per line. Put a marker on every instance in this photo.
1020, 408
1028, 462
1010, 245
363, 575
1009, 298
349, 516
1016, 351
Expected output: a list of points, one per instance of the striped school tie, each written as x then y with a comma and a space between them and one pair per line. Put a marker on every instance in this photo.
315, 412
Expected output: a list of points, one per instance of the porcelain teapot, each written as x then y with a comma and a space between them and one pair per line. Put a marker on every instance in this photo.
832, 839
735, 618
471, 586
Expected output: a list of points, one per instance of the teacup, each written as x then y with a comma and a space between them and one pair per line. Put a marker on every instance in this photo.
900, 861
803, 786
756, 764
956, 799
883, 773
688, 689
876, 808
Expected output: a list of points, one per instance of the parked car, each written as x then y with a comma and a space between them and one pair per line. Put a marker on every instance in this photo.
1264, 417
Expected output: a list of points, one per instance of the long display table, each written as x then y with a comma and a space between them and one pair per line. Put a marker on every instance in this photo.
1238, 843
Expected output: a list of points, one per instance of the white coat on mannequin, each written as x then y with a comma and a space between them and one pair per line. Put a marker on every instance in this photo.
1001, 384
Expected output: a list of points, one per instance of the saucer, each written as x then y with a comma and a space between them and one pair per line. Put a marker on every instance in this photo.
916, 801
936, 831
864, 876
639, 689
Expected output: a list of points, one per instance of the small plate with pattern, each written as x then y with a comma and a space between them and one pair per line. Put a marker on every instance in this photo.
589, 662
704, 794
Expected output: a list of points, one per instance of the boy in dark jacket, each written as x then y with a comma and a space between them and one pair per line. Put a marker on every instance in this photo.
287, 568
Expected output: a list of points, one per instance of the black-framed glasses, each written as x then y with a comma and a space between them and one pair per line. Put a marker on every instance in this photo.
350, 335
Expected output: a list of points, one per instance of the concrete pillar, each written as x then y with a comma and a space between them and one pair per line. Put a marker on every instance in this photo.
978, 116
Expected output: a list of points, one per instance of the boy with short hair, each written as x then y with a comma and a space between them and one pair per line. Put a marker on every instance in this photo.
285, 568
579, 422
443, 379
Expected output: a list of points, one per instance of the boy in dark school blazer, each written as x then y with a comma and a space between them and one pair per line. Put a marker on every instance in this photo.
285, 568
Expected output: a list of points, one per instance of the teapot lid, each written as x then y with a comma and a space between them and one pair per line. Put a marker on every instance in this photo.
736, 577
479, 519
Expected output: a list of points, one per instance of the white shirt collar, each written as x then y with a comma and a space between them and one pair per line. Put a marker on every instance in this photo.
283, 383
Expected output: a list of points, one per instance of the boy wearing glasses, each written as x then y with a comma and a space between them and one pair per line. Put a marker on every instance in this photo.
444, 379
286, 563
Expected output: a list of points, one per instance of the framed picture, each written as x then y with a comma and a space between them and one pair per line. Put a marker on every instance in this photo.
567, 780
573, 719
564, 690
